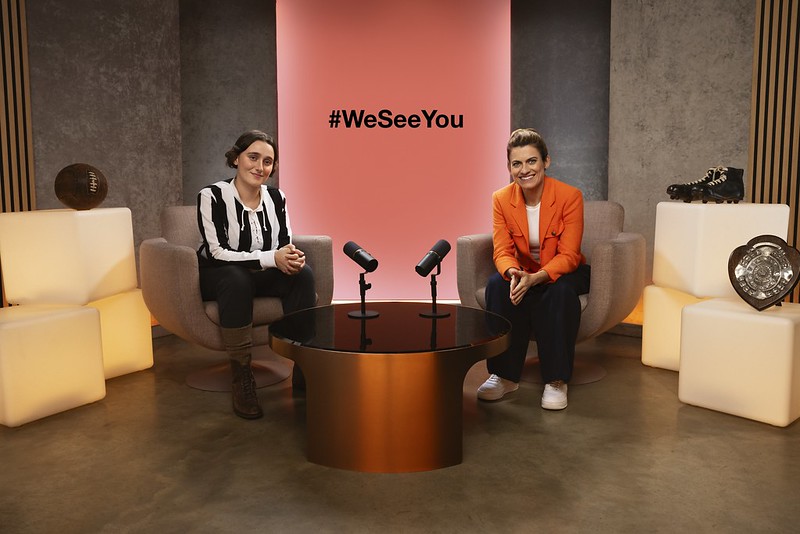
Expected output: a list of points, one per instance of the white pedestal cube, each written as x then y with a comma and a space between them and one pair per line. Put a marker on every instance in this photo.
66, 256
50, 361
737, 360
693, 242
126, 333
661, 326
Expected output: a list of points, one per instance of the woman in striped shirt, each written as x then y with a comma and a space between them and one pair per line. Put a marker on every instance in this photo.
247, 252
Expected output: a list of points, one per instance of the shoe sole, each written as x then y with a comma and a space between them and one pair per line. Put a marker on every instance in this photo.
548, 406
485, 397
248, 415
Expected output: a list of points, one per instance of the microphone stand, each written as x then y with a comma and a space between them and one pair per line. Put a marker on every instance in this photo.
365, 341
364, 313
433, 313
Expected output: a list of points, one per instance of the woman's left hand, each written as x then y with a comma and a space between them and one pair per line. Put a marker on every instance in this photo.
290, 259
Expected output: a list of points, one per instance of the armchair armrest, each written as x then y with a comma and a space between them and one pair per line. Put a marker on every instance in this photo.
474, 266
319, 255
617, 281
170, 283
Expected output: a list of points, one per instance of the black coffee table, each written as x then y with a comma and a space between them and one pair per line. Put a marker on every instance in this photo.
385, 394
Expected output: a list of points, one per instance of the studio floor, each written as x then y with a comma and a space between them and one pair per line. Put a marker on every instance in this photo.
625, 456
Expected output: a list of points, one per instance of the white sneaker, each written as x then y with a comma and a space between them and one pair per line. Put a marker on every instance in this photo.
495, 387
554, 396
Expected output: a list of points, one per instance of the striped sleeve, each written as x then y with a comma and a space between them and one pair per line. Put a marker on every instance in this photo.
281, 222
214, 216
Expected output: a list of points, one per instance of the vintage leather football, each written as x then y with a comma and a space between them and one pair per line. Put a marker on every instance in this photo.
81, 186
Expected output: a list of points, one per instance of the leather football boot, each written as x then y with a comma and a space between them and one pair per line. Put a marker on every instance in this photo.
685, 191
727, 187
239, 344
243, 389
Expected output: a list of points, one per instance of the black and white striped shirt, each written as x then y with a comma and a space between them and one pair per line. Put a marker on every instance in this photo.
232, 232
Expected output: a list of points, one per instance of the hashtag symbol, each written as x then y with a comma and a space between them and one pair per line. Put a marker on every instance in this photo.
335, 118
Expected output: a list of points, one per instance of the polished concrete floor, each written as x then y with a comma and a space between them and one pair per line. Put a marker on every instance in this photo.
625, 456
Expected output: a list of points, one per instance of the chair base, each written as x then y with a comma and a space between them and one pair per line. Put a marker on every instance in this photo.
582, 372
218, 376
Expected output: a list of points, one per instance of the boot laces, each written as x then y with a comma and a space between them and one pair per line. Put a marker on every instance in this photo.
249, 385
723, 176
704, 179
243, 376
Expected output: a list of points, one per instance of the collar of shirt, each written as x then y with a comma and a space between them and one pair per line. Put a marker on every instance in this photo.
239, 199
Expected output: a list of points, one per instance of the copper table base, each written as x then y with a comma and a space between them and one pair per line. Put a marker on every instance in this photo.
383, 411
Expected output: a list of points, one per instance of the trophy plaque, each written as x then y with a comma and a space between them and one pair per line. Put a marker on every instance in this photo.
764, 271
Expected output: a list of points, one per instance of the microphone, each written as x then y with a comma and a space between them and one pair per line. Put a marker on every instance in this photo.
361, 256
433, 258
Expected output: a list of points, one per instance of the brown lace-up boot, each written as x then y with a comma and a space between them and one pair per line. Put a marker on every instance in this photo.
239, 344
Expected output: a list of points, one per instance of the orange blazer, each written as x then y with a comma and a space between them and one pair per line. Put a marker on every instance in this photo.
560, 229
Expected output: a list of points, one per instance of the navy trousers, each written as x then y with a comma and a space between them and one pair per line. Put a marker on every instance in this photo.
552, 312
234, 287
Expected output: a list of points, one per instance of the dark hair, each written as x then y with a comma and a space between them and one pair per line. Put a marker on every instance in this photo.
247, 139
525, 137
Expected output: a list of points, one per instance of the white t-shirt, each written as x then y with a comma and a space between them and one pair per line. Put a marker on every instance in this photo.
533, 229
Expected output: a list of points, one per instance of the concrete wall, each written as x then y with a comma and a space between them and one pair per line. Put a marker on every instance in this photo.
679, 98
559, 85
152, 93
105, 90
228, 83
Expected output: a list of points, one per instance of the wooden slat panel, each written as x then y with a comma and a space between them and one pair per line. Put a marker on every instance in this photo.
775, 121
27, 156
5, 129
16, 139
754, 153
18, 192
779, 177
12, 177
768, 134
789, 92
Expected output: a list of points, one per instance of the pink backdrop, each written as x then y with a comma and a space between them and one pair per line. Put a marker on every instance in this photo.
394, 191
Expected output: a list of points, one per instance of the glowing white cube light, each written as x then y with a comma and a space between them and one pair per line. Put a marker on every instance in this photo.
126, 333
67, 256
693, 242
50, 361
737, 360
661, 326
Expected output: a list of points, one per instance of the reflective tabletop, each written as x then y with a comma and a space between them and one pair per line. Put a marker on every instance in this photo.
399, 327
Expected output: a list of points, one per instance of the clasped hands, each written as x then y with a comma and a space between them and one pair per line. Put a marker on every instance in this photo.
522, 281
290, 259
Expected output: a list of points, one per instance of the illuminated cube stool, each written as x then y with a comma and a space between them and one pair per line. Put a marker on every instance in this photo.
661, 326
51, 360
126, 333
693, 242
66, 256
737, 360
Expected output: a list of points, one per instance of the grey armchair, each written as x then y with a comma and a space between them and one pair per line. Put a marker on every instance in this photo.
170, 284
618, 265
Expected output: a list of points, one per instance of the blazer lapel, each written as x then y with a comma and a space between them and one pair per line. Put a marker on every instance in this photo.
519, 212
547, 208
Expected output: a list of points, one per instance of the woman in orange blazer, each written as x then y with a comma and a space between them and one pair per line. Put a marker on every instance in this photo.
537, 232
